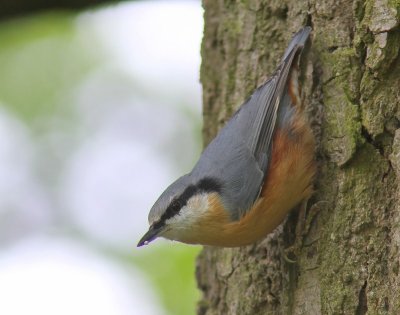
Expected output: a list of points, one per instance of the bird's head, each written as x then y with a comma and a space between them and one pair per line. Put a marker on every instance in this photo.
180, 210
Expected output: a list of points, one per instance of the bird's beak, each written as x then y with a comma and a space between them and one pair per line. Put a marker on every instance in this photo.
151, 235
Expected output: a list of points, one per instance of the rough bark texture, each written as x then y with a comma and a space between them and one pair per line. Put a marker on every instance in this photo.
349, 262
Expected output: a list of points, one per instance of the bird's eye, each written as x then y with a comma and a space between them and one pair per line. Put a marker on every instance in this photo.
176, 205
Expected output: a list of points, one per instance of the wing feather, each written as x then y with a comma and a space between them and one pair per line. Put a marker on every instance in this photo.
269, 98
238, 157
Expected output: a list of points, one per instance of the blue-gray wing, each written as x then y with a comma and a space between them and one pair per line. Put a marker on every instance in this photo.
238, 157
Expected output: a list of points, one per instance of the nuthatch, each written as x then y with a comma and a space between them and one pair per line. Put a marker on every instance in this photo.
259, 167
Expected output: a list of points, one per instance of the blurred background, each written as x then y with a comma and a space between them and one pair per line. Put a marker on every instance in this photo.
99, 112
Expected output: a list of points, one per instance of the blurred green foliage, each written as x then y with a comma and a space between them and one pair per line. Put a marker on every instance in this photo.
171, 269
42, 60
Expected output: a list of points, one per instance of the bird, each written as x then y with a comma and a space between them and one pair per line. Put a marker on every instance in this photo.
258, 168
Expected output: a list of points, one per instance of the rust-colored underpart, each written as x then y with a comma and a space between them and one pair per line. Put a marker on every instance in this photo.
288, 182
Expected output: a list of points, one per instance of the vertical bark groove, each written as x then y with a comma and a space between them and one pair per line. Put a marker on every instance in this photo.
362, 307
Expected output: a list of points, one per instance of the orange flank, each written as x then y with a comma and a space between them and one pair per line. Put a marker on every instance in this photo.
294, 88
288, 182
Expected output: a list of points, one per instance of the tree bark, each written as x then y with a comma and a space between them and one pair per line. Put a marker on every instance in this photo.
349, 262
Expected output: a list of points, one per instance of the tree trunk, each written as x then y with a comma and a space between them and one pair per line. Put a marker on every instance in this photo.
349, 261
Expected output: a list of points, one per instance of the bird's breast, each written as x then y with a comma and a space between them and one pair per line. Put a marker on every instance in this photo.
288, 182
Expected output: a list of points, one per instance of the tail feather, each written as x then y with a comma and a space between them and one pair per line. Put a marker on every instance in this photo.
298, 40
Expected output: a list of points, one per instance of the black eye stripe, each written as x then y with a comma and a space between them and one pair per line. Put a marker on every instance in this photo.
206, 184
188, 193
209, 184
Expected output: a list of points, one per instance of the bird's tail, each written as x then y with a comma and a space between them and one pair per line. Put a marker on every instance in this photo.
298, 41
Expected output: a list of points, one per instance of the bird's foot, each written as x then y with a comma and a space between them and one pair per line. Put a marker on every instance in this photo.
303, 227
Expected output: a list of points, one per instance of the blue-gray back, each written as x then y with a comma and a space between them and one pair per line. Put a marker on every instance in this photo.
240, 154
